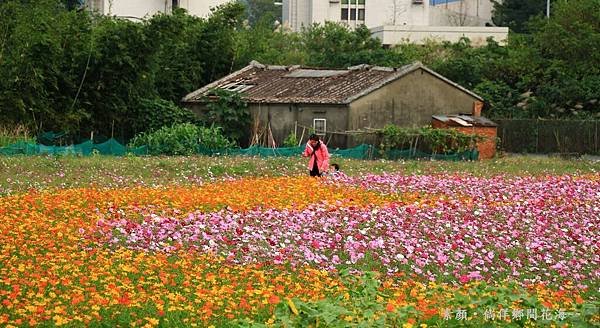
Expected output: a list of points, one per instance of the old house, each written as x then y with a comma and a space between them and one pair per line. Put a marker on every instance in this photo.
291, 99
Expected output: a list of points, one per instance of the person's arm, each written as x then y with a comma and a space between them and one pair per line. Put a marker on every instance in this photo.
307, 151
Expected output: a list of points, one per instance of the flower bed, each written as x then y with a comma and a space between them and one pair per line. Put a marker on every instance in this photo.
381, 249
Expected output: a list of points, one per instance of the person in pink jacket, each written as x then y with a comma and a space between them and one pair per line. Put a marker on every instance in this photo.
318, 154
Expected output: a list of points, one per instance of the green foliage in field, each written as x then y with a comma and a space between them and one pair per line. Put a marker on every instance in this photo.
181, 139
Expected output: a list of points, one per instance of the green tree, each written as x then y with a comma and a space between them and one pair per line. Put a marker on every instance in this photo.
267, 45
229, 111
516, 13
258, 10
179, 60
335, 45
118, 75
43, 52
567, 79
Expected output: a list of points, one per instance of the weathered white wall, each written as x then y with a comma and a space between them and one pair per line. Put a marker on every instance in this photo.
395, 12
200, 8
391, 35
462, 13
134, 8
390, 12
147, 8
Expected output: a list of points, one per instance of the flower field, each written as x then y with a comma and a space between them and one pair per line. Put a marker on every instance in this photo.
390, 249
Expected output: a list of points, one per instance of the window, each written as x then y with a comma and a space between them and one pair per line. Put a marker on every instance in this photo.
344, 13
353, 10
320, 126
96, 6
361, 14
175, 4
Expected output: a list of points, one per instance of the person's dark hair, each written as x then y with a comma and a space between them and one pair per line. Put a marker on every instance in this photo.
335, 166
313, 137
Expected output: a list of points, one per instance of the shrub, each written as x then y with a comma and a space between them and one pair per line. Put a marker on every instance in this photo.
291, 140
228, 110
153, 114
427, 139
181, 139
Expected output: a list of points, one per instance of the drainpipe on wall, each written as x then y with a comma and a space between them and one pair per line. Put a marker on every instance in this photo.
477, 106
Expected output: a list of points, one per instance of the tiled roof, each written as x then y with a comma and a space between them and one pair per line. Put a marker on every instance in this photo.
294, 84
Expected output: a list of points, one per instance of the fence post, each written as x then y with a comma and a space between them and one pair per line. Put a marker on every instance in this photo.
597, 147
537, 135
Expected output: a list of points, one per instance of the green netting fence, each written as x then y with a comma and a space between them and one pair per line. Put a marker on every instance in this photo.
109, 147
114, 148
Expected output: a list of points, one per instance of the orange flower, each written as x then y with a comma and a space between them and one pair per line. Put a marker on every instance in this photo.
390, 307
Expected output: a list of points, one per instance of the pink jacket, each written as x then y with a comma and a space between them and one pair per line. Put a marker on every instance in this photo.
322, 157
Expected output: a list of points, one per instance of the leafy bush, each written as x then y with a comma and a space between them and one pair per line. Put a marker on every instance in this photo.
427, 138
228, 110
363, 306
153, 114
500, 97
291, 140
181, 139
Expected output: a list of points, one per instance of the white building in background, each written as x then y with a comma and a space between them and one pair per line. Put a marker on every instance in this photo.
140, 9
395, 21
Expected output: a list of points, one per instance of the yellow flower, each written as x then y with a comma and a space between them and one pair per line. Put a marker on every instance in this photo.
407, 325
59, 321
292, 306
152, 321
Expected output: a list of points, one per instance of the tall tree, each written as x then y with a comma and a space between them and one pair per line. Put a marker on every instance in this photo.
262, 9
336, 45
516, 13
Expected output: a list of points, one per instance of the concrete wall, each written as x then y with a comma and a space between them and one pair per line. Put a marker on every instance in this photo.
283, 118
486, 147
408, 102
297, 13
200, 8
146, 8
398, 12
135, 8
480, 9
392, 35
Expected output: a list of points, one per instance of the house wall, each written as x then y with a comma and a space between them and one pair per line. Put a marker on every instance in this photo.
283, 118
393, 34
147, 8
486, 147
396, 12
298, 13
408, 102
478, 9
200, 8
134, 8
